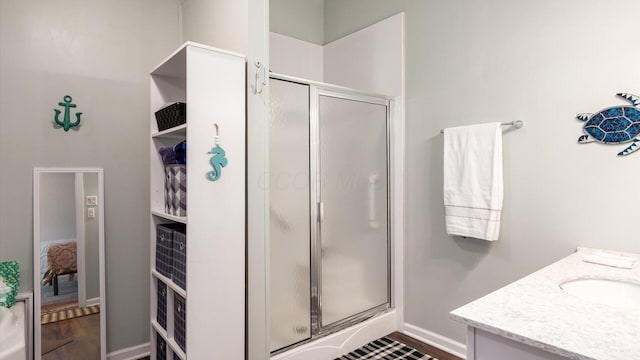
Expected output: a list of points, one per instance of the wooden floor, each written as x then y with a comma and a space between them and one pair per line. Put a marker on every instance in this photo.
84, 332
422, 347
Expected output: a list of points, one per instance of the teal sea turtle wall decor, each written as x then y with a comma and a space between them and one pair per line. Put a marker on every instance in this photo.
614, 125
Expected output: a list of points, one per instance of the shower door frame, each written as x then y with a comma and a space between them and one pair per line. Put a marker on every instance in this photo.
316, 90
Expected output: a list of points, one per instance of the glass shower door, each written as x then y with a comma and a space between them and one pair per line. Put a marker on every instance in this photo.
289, 223
328, 206
352, 239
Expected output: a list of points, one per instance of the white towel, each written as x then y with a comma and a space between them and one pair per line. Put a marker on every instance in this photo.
473, 188
603, 258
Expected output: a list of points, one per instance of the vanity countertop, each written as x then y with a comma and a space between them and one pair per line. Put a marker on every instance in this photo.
535, 311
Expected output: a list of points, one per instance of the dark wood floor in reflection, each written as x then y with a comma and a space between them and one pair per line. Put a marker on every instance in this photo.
84, 332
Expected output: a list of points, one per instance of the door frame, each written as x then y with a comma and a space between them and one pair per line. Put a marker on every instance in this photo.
257, 302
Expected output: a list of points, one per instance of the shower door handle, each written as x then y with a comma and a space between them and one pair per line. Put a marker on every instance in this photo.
320, 211
373, 222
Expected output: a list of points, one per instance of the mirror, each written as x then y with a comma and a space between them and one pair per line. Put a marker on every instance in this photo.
68, 234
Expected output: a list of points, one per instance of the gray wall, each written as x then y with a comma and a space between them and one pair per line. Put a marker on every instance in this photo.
100, 53
501, 60
303, 20
218, 23
345, 17
58, 201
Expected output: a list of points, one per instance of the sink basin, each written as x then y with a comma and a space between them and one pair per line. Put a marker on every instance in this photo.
604, 291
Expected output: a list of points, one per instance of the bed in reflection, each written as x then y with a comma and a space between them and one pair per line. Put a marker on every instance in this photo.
58, 258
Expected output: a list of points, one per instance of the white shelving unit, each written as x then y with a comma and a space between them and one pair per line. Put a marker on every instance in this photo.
212, 84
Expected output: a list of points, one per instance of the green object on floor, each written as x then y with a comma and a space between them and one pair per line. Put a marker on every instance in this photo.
9, 282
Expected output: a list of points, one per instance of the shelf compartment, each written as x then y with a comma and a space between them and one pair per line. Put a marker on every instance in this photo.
161, 307
176, 132
170, 284
161, 346
176, 349
162, 214
169, 340
164, 248
179, 273
180, 321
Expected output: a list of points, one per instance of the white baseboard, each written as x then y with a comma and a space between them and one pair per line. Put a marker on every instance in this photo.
93, 301
441, 342
130, 353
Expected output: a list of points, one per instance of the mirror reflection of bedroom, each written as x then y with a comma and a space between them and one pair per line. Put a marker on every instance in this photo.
69, 265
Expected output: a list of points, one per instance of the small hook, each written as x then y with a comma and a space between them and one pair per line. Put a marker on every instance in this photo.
217, 138
259, 90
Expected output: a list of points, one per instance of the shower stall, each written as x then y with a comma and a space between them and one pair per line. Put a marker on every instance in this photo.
329, 209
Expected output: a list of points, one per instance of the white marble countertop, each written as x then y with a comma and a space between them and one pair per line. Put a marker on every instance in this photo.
534, 310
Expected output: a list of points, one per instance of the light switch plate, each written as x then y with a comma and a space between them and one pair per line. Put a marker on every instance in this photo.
92, 200
91, 213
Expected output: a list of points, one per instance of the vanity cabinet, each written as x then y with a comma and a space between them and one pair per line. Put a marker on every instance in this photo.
205, 318
535, 317
483, 345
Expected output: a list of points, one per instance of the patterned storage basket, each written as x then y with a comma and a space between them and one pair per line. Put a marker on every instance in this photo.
179, 271
171, 115
175, 189
161, 347
161, 314
179, 322
164, 247
164, 250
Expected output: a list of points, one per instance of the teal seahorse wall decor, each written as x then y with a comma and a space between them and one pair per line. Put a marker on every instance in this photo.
218, 161
66, 123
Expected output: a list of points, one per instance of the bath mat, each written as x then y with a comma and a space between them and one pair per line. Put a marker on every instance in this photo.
50, 345
51, 308
386, 349
69, 314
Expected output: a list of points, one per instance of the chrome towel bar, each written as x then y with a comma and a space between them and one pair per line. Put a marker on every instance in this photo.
516, 124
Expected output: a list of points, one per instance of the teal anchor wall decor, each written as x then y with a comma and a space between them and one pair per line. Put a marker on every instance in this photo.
66, 123
218, 160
